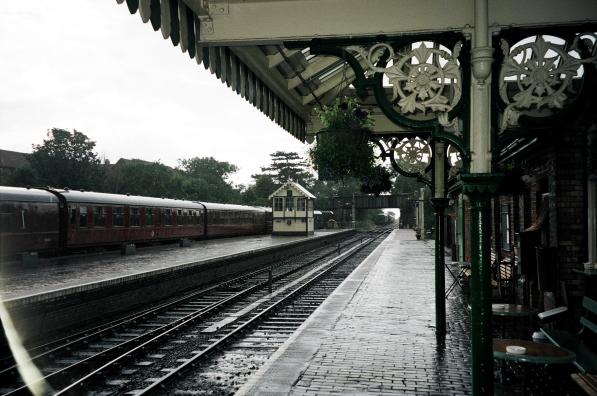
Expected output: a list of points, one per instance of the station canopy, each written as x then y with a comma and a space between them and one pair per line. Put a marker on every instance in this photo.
245, 43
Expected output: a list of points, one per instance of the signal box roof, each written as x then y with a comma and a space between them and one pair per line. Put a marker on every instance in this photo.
295, 185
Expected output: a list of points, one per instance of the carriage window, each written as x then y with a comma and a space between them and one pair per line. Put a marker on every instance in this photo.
289, 204
117, 217
168, 217
99, 216
83, 216
135, 217
278, 204
192, 217
300, 204
73, 216
179, 218
148, 216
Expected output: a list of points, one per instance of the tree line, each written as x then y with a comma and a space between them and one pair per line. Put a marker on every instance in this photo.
68, 159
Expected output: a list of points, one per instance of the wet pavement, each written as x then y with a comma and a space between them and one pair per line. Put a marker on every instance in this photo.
18, 281
375, 335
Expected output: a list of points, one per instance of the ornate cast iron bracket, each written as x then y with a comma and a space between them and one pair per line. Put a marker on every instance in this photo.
427, 76
539, 76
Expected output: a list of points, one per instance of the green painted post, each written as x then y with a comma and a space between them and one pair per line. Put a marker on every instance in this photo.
439, 205
480, 187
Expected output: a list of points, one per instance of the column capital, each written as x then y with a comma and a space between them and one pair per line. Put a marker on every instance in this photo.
480, 183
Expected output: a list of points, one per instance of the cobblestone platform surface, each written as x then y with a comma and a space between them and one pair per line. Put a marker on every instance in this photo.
375, 334
51, 274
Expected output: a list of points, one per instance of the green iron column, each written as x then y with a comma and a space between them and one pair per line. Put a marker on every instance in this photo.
439, 205
480, 188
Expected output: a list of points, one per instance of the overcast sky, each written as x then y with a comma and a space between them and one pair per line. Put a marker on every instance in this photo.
91, 66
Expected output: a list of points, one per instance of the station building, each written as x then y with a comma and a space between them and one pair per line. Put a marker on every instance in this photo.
292, 208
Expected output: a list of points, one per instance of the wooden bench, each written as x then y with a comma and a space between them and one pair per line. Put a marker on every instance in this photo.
586, 358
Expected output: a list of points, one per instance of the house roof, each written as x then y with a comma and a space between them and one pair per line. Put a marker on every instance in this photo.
13, 159
292, 183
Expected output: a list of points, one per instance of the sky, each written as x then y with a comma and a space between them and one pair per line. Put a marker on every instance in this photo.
90, 65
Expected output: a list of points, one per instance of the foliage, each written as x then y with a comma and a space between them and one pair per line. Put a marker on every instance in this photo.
258, 192
66, 159
19, 177
139, 177
206, 179
344, 114
287, 166
342, 148
376, 182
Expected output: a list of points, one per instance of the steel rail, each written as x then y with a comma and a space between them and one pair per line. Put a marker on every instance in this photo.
145, 339
83, 337
332, 265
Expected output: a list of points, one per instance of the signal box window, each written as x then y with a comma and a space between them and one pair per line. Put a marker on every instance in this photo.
278, 204
301, 204
289, 204
83, 216
168, 217
99, 216
148, 216
135, 217
117, 217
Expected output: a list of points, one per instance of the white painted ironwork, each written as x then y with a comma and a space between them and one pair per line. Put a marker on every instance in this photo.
421, 77
413, 155
539, 75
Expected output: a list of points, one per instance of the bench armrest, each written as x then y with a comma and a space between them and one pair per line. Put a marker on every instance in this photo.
551, 313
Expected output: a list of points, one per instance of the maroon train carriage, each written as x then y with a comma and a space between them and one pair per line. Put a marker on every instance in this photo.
50, 220
232, 220
94, 218
29, 221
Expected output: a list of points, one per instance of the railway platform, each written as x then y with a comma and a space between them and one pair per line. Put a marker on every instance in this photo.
53, 274
53, 295
375, 335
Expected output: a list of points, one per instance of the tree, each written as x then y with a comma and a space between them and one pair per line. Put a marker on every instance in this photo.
287, 165
66, 159
258, 192
139, 177
206, 179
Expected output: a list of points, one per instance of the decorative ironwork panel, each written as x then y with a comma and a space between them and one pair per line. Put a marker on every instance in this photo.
542, 74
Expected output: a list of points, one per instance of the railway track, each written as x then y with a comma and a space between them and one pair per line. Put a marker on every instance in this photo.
147, 351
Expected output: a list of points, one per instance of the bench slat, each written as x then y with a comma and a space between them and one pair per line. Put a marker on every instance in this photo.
589, 304
586, 360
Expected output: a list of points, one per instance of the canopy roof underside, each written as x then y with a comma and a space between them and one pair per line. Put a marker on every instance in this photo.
286, 84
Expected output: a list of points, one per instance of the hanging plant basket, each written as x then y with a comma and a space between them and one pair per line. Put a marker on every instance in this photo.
339, 154
342, 148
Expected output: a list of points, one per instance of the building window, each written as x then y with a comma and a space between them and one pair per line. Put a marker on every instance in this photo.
278, 204
99, 216
289, 204
135, 217
168, 217
301, 204
310, 205
117, 217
